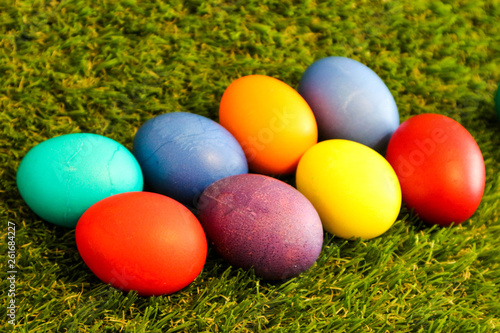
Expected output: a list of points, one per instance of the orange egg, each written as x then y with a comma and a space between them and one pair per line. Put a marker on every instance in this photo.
271, 121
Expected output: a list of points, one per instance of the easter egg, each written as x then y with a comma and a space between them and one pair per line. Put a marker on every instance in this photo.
142, 241
271, 121
350, 101
497, 100
257, 221
440, 168
182, 153
354, 189
63, 176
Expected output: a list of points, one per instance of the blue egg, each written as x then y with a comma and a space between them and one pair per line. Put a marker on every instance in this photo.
350, 101
182, 153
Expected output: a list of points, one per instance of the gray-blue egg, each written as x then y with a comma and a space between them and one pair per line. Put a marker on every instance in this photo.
181, 153
350, 101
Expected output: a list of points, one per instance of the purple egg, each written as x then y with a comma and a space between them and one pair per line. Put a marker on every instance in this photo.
261, 222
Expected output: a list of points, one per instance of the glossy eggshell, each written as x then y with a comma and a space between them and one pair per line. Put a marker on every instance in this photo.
354, 189
182, 153
63, 176
271, 121
261, 222
350, 101
142, 241
440, 168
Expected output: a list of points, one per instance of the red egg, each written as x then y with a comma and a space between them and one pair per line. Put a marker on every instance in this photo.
142, 241
440, 168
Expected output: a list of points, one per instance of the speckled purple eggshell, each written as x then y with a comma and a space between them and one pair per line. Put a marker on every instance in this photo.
261, 222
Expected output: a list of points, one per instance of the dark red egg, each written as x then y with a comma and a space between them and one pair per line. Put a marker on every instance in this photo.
440, 168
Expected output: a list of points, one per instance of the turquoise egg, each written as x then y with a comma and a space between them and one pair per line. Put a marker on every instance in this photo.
497, 100
63, 176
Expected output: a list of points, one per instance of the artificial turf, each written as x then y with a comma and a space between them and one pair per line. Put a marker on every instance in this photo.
106, 67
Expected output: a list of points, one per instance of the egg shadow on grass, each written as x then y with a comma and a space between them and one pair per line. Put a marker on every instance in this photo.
59, 250
412, 223
491, 122
420, 225
218, 267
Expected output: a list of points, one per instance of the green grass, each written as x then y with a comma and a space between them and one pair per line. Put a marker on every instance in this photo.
107, 66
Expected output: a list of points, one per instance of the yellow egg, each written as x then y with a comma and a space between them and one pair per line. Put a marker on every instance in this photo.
354, 189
